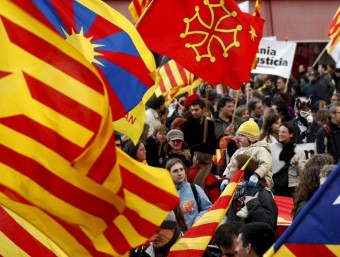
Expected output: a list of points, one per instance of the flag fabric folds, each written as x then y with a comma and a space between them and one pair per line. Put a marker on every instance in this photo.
59, 168
215, 41
137, 8
333, 47
316, 229
196, 239
106, 39
172, 78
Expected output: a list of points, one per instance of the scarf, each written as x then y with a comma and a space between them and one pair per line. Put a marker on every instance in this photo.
287, 152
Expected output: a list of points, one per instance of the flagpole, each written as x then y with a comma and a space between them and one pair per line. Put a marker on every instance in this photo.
320, 55
206, 116
234, 112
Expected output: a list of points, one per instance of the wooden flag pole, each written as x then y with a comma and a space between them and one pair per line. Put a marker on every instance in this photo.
236, 101
320, 55
206, 115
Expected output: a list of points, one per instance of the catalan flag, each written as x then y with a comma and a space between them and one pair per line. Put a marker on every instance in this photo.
59, 168
204, 36
196, 239
107, 40
137, 8
316, 229
172, 78
333, 47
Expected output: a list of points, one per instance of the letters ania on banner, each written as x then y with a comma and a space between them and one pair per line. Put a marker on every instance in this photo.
275, 58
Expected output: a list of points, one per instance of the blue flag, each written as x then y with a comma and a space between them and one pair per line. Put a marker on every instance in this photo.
316, 230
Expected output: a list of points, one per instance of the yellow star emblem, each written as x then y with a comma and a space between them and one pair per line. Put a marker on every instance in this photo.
252, 33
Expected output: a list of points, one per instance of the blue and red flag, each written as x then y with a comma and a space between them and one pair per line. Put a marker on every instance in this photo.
106, 39
316, 230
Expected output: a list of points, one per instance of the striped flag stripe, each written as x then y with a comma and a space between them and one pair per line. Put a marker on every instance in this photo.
45, 179
43, 135
63, 104
257, 11
301, 250
12, 229
180, 74
60, 60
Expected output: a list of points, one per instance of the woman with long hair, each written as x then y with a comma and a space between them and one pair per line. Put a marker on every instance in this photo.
154, 145
200, 172
270, 128
135, 151
288, 161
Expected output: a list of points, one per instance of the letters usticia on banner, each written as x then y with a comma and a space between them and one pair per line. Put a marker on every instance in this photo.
275, 58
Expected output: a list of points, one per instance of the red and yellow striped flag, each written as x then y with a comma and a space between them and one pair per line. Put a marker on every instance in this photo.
333, 47
172, 78
196, 239
257, 11
59, 168
137, 7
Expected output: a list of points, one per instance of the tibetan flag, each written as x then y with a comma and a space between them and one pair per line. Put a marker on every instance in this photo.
107, 40
215, 41
172, 78
316, 229
137, 8
333, 47
196, 239
59, 167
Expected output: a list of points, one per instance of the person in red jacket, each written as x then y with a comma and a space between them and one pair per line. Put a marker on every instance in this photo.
200, 172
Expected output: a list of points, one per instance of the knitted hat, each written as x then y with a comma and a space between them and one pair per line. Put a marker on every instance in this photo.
170, 221
250, 129
175, 134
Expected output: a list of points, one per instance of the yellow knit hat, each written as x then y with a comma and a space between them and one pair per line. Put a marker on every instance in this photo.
250, 129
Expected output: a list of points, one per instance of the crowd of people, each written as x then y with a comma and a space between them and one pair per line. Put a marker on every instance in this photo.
287, 131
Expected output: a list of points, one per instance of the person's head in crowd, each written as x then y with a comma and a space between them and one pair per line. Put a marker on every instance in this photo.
156, 103
168, 233
248, 133
304, 80
237, 163
321, 116
325, 171
242, 112
255, 107
313, 76
177, 170
160, 133
270, 82
322, 68
302, 68
197, 108
225, 237
255, 239
287, 133
175, 139
335, 98
178, 123
282, 108
281, 84
271, 125
225, 106
118, 140
334, 112
163, 114
181, 98
137, 151
319, 160
310, 69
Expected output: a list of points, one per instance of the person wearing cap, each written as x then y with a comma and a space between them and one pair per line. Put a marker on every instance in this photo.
200, 172
161, 242
248, 135
177, 147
